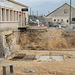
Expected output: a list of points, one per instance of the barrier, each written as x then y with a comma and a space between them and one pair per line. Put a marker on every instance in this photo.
4, 69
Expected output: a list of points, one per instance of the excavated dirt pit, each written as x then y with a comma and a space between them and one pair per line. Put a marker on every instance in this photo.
51, 39
23, 57
44, 39
61, 62
40, 39
18, 57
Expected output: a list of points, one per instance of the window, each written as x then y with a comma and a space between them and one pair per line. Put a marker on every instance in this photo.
67, 21
54, 19
7, 13
65, 11
48, 22
2, 14
10, 15
73, 19
62, 20
17, 15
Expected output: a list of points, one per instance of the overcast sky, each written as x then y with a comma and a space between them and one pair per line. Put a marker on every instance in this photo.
44, 6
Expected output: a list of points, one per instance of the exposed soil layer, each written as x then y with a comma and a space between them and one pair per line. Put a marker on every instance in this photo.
42, 39
66, 67
51, 39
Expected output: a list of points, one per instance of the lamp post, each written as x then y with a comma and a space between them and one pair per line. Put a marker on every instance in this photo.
70, 12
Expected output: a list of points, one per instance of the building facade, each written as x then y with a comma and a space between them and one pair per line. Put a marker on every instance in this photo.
62, 15
12, 14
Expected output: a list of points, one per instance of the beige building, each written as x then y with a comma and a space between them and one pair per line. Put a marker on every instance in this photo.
12, 14
62, 15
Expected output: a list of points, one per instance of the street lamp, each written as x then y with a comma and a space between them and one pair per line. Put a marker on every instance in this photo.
70, 12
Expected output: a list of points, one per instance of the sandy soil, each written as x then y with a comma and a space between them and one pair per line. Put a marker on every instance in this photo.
66, 67
53, 39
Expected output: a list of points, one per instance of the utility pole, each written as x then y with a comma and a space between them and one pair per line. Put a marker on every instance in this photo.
37, 13
70, 12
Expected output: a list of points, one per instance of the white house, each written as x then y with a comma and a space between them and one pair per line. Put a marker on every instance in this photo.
62, 15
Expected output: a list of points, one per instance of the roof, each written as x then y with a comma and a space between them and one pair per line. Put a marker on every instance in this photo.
17, 3
60, 7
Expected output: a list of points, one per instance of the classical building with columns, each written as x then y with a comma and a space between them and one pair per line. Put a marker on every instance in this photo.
12, 14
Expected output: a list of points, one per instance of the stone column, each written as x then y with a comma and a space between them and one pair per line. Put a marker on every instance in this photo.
4, 70
18, 16
15, 15
21, 18
12, 15
24, 19
0, 14
4, 14
9, 15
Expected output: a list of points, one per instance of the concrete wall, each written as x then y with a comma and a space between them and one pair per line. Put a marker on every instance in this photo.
8, 25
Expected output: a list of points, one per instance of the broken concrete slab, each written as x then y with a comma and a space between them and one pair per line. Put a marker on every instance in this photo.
51, 58
28, 71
